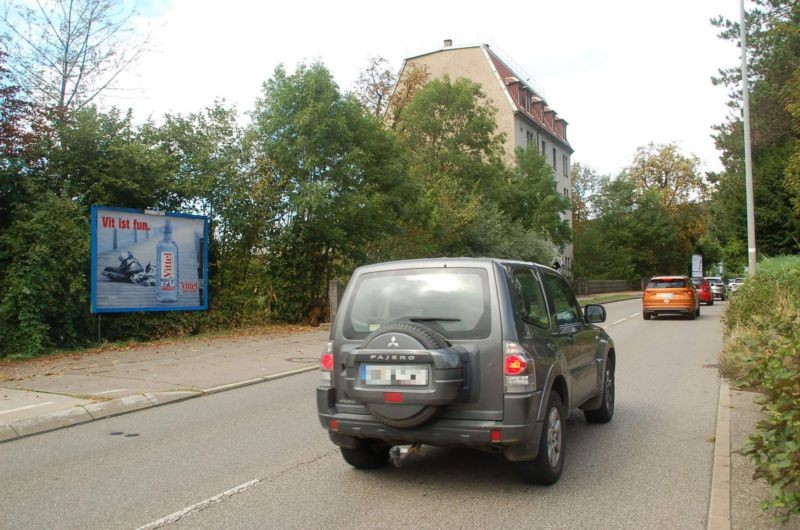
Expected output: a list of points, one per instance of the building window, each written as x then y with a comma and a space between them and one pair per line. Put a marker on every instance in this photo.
566, 193
554, 158
544, 148
565, 164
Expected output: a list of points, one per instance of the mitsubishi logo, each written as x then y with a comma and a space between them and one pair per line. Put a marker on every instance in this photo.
393, 343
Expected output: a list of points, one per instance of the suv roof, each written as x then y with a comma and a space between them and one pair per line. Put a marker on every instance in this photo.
442, 262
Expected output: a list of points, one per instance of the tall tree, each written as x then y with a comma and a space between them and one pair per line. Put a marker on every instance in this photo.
66, 52
374, 86
413, 78
663, 168
471, 202
773, 38
533, 198
339, 176
585, 184
633, 235
15, 117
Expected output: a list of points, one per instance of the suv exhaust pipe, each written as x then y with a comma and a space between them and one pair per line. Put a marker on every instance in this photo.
399, 453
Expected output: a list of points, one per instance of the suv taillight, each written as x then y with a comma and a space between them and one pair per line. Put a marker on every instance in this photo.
519, 374
326, 365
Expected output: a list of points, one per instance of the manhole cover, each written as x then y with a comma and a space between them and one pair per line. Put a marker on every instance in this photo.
303, 360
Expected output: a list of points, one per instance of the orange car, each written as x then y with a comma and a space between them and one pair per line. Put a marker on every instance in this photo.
670, 295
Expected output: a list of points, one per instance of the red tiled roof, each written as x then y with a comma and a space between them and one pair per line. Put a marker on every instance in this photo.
510, 78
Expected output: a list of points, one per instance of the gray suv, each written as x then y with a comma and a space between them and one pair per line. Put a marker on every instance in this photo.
484, 353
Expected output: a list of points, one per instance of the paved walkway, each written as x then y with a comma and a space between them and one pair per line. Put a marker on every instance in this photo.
51, 393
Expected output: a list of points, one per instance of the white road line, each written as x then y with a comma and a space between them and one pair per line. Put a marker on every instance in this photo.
620, 321
177, 516
110, 391
28, 407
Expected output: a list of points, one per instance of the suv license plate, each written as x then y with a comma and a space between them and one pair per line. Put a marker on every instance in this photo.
394, 374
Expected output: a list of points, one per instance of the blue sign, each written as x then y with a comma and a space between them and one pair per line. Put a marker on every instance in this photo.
148, 261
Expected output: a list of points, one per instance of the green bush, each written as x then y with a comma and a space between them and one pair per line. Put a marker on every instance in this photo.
44, 299
762, 350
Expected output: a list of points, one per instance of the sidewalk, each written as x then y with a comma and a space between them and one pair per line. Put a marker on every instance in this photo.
51, 393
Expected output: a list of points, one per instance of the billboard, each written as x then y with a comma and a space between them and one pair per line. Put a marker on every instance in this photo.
148, 261
697, 266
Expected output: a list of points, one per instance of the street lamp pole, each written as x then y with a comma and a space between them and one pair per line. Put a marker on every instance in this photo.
748, 157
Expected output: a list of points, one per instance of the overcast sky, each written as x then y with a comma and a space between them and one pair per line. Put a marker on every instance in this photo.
622, 73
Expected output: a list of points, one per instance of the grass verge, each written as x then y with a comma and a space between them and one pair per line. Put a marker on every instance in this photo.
761, 350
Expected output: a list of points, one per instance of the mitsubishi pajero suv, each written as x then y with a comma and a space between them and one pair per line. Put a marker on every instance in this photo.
484, 353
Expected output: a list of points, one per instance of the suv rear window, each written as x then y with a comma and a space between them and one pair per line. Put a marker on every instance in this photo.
453, 301
667, 283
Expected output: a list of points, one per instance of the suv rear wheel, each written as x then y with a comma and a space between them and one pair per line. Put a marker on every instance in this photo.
547, 467
367, 454
606, 410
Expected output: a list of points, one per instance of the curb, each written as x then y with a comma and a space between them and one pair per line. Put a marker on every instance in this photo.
719, 506
116, 407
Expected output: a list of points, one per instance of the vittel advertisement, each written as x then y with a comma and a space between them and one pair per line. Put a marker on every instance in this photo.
144, 260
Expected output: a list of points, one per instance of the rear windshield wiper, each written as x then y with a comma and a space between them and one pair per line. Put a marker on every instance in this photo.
432, 319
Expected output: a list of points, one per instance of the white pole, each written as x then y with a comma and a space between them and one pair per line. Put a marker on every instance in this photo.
748, 157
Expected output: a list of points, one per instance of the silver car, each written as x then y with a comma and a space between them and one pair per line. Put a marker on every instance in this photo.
718, 289
735, 283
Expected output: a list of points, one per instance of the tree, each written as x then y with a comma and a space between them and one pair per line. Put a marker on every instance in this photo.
413, 78
662, 168
585, 184
633, 235
44, 295
339, 178
375, 85
15, 117
533, 200
66, 52
471, 203
103, 158
449, 129
773, 38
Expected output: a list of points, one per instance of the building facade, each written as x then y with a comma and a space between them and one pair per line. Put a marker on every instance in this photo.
522, 114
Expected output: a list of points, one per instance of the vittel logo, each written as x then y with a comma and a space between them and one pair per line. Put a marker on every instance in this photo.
166, 264
167, 273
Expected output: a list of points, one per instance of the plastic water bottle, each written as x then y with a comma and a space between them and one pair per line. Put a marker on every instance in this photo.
167, 258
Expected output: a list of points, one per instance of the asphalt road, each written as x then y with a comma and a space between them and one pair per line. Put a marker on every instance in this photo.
257, 457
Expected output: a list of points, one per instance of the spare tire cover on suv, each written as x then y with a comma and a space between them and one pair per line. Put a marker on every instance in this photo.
398, 343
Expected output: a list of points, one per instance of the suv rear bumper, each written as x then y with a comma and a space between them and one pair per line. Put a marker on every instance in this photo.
517, 436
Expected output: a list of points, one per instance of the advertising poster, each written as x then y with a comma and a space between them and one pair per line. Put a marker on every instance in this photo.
148, 261
697, 266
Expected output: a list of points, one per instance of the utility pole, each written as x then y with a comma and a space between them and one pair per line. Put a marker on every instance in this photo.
748, 157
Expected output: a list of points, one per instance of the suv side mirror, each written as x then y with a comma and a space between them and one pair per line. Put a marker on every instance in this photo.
595, 313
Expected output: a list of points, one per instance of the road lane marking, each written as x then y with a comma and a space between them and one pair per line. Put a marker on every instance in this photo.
202, 505
28, 407
620, 321
110, 391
